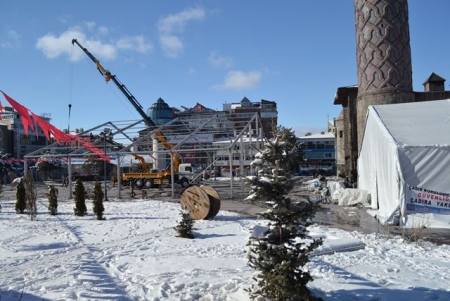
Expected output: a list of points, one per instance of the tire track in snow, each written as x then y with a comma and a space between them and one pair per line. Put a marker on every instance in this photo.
35, 268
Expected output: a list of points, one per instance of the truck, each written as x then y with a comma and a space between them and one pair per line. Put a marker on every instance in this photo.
184, 173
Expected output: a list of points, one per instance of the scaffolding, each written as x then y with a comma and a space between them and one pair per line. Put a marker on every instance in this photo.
210, 139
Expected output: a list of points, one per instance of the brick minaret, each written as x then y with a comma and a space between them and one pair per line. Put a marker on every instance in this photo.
383, 56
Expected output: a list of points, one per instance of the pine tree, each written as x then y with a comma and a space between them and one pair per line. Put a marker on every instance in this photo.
97, 201
282, 252
52, 200
185, 225
80, 199
21, 203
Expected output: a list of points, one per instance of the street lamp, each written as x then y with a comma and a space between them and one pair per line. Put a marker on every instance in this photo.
105, 134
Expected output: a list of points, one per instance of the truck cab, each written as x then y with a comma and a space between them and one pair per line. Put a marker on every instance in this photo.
188, 173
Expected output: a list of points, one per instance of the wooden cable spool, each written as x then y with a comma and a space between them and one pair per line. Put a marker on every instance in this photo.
202, 202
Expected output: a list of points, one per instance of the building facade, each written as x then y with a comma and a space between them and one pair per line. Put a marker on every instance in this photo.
216, 130
319, 154
241, 112
14, 140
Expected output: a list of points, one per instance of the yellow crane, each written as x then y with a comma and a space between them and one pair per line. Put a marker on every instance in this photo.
147, 178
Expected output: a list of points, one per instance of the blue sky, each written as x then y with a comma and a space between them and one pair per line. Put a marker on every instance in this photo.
296, 53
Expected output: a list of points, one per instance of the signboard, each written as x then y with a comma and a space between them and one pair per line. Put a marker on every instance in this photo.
421, 200
319, 154
198, 138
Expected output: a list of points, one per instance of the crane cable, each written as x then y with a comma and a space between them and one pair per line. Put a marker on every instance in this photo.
114, 91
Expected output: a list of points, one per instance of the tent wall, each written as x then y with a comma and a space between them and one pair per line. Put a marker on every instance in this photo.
405, 168
378, 168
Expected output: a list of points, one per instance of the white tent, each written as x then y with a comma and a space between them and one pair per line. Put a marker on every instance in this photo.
404, 163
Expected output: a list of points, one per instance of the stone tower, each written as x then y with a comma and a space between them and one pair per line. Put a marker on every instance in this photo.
383, 56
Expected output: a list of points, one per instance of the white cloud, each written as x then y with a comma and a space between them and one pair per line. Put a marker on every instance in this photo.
219, 61
137, 43
240, 80
64, 19
171, 45
54, 46
12, 40
176, 23
90, 25
103, 30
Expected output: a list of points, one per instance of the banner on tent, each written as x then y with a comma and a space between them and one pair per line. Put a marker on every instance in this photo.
421, 200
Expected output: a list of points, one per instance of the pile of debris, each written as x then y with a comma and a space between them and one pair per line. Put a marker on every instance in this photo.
335, 191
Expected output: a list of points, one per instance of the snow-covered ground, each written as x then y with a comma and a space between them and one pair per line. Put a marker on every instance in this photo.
135, 255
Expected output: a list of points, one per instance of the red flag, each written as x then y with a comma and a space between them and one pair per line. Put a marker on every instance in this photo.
95, 150
59, 135
47, 128
24, 113
43, 124
84, 141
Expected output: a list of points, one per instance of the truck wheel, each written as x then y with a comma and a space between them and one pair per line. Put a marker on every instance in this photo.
184, 182
138, 183
148, 183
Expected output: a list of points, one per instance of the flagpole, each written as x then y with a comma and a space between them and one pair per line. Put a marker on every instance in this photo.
69, 163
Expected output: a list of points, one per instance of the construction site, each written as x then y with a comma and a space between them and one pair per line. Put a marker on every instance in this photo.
144, 155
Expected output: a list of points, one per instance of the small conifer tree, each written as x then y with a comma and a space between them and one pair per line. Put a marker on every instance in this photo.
97, 201
80, 199
280, 254
21, 203
185, 225
52, 200
30, 196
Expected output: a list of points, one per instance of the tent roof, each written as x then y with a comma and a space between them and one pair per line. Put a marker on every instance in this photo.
418, 123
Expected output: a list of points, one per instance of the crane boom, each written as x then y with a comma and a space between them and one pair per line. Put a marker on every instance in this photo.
108, 76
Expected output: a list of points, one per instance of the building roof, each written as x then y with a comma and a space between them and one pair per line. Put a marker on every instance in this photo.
325, 135
342, 94
434, 78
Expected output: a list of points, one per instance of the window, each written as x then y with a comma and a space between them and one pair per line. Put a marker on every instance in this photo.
320, 145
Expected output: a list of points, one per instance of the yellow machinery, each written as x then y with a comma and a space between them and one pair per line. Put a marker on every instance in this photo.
147, 178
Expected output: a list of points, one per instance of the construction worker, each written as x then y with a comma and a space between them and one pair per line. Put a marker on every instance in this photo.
133, 194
